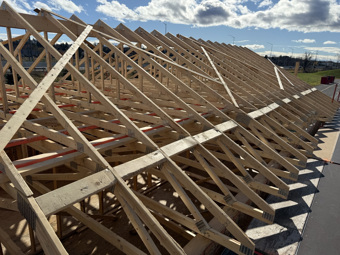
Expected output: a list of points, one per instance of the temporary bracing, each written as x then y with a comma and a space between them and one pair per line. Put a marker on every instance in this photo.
113, 121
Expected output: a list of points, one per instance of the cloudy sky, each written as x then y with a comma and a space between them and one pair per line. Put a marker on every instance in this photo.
287, 27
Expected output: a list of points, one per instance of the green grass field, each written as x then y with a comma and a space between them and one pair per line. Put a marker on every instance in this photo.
315, 78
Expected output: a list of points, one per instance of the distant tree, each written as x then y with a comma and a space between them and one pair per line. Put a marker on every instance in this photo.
307, 63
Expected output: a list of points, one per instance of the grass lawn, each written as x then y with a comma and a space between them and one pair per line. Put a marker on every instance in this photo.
315, 78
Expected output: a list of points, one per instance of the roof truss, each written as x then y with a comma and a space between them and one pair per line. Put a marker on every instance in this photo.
206, 118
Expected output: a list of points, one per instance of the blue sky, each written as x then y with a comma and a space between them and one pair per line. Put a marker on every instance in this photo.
287, 26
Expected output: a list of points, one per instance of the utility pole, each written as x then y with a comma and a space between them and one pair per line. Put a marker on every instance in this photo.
165, 27
316, 58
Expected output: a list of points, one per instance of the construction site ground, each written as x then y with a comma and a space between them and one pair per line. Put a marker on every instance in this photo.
308, 221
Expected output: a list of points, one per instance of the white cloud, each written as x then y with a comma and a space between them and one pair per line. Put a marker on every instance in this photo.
242, 41
63, 41
243, 9
19, 5
329, 42
3, 36
110, 9
254, 46
265, 3
188, 12
304, 41
292, 15
65, 5
41, 5
321, 57
23, 6
331, 50
93, 41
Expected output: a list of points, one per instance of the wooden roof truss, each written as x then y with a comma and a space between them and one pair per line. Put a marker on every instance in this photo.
218, 123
